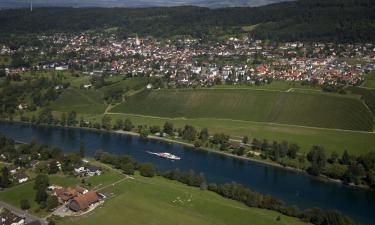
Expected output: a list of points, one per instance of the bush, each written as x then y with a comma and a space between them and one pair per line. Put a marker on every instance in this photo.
52, 202
198, 143
25, 204
128, 168
147, 169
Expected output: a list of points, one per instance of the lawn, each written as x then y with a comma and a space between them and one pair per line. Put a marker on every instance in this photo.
140, 201
304, 109
107, 177
81, 101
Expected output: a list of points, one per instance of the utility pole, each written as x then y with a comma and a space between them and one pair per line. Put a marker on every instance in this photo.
31, 5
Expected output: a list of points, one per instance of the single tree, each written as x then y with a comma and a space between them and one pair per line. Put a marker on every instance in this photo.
25, 204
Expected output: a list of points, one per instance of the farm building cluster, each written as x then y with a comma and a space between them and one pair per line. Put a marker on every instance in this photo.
75, 200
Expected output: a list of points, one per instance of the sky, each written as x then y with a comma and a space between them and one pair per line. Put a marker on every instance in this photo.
133, 3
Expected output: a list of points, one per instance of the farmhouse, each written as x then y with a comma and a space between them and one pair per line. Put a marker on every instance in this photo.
66, 194
83, 202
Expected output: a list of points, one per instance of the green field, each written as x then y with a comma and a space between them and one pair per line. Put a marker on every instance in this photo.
90, 102
129, 84
275, 85
367, 96
369, 80
333, 140
81, 101
304, 109
369, 84
140, 201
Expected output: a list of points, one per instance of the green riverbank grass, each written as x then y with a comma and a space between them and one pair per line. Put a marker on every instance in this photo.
141, 201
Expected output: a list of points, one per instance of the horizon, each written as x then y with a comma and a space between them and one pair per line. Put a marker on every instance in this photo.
12, 4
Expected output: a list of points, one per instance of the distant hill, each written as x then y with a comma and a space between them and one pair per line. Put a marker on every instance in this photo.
135, 3
317, 20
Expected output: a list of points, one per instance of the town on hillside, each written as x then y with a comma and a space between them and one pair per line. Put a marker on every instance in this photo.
193, 62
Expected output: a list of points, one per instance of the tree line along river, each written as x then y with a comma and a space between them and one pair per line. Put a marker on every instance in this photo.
294, 188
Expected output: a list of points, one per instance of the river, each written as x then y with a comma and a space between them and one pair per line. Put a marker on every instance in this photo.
294, 188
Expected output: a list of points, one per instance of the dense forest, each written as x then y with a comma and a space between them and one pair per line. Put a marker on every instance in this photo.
323, 20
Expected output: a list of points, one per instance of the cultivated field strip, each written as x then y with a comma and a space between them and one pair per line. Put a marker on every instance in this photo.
305, 109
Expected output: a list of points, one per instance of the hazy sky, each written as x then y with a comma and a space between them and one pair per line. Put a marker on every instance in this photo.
133, 3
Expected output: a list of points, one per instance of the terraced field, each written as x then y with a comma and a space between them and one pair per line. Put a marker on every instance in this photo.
304, 109
367, 95
81, 101
128, 84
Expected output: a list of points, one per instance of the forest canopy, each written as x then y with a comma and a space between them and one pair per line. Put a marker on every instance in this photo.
304, 20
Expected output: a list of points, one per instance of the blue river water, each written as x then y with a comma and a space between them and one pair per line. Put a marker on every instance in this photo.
294, 188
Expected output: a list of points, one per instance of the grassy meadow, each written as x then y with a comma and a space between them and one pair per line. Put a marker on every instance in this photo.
140, 201
304, 109
333, 140
81, 101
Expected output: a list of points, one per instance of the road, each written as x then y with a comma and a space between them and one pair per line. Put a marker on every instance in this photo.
28, 217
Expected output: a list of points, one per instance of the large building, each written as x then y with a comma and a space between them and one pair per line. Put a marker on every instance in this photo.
83, 202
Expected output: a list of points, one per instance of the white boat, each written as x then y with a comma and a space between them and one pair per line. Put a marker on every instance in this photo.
165, 155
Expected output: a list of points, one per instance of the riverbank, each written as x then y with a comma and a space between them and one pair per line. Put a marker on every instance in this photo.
274, 164
227, 154
153, 137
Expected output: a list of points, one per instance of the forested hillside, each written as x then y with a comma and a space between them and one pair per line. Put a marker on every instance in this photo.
325, 20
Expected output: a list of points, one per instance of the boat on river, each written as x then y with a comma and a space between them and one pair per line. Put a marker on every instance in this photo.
165, 155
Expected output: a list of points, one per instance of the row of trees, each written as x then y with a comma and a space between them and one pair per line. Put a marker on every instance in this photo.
44, 200
276, 150
126, 163
348, 168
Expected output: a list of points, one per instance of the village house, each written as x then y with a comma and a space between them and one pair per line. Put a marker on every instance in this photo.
79, 169
93, 170
20, 178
